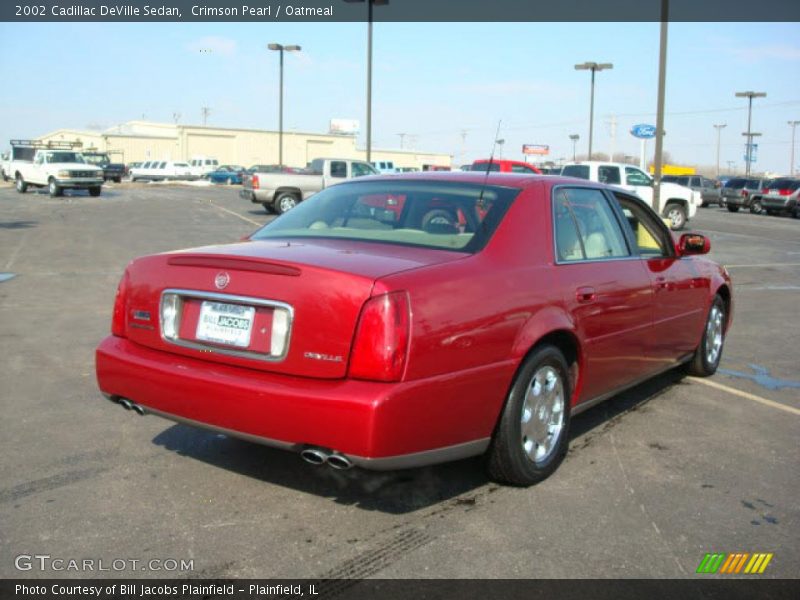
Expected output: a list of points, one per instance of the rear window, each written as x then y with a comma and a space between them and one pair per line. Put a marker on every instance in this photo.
579, 171
443, 215
785, 184
484, 166
736, 184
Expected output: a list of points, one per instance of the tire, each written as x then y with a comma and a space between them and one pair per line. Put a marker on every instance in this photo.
676, 213
285, 202
95, 191
540, 393
704, 205
229, 181
771, 212
20, 184
755, 207
708, 354
732, 208
5, 177
53, 189
117, 179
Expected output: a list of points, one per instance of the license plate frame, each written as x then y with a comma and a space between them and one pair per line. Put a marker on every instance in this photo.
224, 323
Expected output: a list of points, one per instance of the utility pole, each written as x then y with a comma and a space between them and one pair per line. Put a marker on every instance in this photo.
662, 85
748, 154
574, 137
176, 116
593, 67
205, 110
612, 133
792, 124
731, 167
719, 129
402, 139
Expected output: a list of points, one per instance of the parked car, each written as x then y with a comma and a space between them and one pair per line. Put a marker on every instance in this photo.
161, 170
201, 166
111, 171
281, 192
781, 197
333, 331
709, 190
498, 165
228, 174
384, 167
743, 192
680, 203
273, 169
56, 166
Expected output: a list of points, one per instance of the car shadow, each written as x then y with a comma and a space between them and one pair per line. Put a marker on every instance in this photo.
18, 224
394, 492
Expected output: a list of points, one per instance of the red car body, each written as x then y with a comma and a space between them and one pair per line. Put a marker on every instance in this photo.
506, 166
430, 387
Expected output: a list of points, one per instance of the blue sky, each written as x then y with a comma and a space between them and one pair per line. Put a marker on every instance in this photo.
432, 81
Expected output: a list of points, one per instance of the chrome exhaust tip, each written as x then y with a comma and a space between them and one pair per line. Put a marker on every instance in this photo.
139, 409
126, 404
339, 461
314, 456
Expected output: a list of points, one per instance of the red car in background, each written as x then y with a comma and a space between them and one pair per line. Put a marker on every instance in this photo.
497, 165
406, 320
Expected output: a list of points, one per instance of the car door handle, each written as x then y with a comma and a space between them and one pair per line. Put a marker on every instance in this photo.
585, 294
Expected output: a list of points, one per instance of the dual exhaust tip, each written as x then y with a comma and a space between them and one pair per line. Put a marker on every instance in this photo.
128, 405
319, 456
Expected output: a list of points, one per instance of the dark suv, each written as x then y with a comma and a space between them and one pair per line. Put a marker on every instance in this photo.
709, 189
739, 192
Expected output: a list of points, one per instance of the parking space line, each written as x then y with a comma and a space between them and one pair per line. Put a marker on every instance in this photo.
746, 395
748, 235
235, 214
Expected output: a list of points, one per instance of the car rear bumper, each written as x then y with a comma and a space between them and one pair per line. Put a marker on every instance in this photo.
376, 425
255, 196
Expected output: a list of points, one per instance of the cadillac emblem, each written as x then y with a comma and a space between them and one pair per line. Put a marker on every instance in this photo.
222, 280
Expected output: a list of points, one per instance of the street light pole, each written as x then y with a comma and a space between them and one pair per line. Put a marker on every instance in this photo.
748, 157
792, 124
719, 129
574, 137
593, 67
280, 48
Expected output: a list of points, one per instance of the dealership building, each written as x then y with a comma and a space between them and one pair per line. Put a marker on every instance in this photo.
143, 140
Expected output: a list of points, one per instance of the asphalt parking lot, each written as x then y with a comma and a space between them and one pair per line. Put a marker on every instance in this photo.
655, 477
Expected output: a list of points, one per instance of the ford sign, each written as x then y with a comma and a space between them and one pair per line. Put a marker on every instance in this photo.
643, 131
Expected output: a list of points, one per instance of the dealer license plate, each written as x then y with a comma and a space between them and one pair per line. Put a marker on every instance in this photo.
228, 324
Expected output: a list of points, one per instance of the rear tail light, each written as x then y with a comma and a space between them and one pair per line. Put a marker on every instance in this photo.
745, 193
254, 182
120, 303
170, 315
786, 192
382, 336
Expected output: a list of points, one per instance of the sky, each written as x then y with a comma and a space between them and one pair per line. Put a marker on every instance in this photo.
444, 85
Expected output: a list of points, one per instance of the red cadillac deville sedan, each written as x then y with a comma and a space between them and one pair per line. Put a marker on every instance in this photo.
399, 321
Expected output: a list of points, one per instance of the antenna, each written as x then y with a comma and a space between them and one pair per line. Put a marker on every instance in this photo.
489, 164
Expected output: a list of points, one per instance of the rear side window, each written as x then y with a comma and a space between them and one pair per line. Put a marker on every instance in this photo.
735, 184
579, 171
648, 236
636, 177
785, 184
362, 169
608, 174
484, 166
338, 168
586, 227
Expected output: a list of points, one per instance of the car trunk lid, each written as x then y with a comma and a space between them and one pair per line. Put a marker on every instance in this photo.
282, 306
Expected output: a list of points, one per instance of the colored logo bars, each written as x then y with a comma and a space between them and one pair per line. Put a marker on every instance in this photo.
734, 563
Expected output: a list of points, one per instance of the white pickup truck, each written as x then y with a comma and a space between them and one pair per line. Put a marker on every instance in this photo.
283, 191
55, 166
680, 203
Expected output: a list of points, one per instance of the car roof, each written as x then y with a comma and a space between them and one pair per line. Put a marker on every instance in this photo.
518, 180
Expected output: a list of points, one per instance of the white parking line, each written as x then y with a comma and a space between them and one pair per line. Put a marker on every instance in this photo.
748, 235
746, 395
235, 214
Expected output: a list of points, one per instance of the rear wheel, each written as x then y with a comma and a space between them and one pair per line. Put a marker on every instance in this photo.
755, 207
53, 188
94, 191
530, 440
676, 215
708, 354
732, 208
771, 212
285, 203
229, 181
20, 184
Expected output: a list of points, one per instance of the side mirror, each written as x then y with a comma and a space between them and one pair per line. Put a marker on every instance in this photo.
693, 243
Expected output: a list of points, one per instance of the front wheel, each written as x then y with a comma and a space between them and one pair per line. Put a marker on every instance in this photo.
531, 437
20, 185
732, 208
94, 191
708, 354
53, 189
676, 215
755, 207
285, 203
